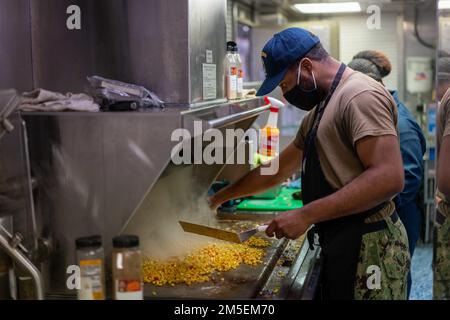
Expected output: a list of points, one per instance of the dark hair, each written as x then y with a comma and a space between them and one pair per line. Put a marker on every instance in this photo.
317, 53
443, 54
443, 68
373, 63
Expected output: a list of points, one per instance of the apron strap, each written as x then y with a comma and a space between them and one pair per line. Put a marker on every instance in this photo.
321, 108
367, 227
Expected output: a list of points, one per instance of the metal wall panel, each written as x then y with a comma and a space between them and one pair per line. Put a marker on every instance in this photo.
207, 30
158, 44
15, 45
62, 58
159, 47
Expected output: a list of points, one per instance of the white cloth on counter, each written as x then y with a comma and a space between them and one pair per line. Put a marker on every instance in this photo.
44, 100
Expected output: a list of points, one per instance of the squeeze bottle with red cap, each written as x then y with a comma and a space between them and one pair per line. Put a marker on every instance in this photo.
269, 136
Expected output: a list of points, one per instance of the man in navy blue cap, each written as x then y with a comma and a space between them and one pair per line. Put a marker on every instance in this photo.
348, 149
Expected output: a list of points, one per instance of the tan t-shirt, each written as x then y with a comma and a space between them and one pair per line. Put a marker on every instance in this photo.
359, 107
443, 130
443, 119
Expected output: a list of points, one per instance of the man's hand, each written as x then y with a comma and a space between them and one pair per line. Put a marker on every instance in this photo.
380, 181
290, 224
254, 182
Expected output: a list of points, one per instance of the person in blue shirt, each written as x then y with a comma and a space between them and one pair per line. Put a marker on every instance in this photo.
376, 65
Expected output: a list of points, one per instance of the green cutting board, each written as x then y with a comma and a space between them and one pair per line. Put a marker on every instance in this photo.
283, 202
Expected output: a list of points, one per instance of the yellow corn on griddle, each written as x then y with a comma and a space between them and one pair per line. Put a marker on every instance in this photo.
245, 282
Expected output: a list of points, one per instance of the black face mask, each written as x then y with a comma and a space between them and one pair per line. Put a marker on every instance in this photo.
304, 99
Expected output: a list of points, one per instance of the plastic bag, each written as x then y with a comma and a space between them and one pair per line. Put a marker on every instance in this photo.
113, 92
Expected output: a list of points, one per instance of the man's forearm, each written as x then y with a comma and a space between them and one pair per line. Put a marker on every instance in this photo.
443, 169
443, 179
254, 182
365, 192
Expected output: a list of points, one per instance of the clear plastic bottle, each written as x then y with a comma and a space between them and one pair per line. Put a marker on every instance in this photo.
230, 71
90, 258
240, 73
127, 268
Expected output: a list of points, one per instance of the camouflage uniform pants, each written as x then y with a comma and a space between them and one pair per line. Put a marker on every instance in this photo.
441, 261
384, 253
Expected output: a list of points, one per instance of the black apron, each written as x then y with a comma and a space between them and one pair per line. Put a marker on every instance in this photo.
340, 239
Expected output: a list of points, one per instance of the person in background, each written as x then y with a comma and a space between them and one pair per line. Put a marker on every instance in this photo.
441, 256
376, 65
348, 149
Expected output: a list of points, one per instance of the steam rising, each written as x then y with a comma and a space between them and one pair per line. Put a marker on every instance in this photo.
180, 195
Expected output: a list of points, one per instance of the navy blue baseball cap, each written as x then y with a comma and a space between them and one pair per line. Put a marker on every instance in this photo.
281, 52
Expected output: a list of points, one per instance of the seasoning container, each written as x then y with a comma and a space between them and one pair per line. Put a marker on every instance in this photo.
240, 73
127, 268
231, 72
90, 257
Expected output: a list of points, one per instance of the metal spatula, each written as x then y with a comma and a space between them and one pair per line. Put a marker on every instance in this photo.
231, 236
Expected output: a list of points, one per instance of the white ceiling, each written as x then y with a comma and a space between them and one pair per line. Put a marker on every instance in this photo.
274, 6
